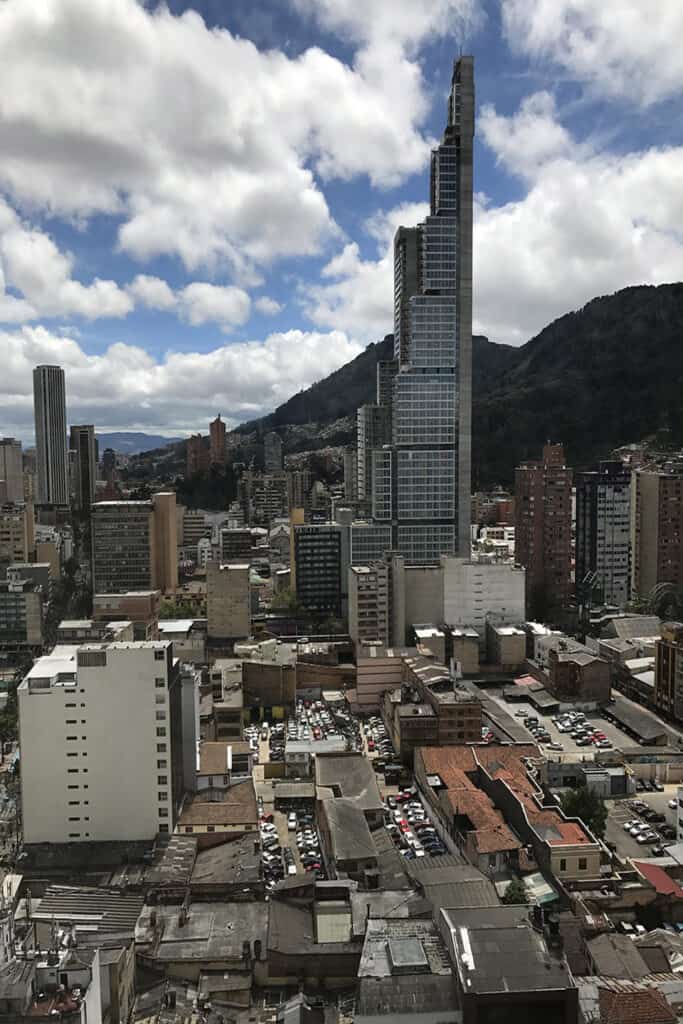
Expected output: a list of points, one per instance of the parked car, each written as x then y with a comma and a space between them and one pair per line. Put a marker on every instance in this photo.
673, 804
291, 821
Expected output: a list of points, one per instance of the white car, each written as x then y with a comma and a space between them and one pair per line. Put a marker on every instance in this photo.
673, 804
628, 825
291, 821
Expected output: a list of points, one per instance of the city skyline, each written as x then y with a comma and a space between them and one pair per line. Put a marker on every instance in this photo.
247, 271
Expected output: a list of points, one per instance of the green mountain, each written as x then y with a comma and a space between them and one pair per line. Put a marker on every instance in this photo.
602, 376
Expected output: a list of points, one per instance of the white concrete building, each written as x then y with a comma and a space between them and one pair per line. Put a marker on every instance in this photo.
477, 592
101, 731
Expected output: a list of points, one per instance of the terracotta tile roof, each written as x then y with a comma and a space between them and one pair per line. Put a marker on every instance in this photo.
647, 1006
658, 878
495, 840
506, 762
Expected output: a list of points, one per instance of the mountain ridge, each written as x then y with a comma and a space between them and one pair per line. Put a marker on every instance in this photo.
597, 377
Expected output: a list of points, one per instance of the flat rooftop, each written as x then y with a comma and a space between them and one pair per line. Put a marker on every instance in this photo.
496, 950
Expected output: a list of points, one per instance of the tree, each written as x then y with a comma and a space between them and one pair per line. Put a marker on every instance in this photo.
177, 609
585, 803
515, 893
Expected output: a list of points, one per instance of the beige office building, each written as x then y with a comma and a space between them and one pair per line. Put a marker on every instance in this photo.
134, 545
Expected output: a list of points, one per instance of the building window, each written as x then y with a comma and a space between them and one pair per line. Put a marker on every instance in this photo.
161, 731
163, 813
210, 828
163, 763
162, 797
74, 819
162, 780
583, 864
159, 655
159, 682
189, 828
73, 754
161, 715
74, 803
72, 738
160, 698
161, 748
71, 721
72, 787
563, 864
72, 771
163, 828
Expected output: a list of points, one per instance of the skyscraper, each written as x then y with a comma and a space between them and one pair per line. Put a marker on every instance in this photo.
217, 441
543, 529
49, 407
82, 443
421, 480
603, 533
272, 452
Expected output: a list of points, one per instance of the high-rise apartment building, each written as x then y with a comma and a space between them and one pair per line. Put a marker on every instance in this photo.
102, 734
11, 473
49, 407
272, 452
196, 455
656, 527
543, 527
350, 460
370, 603
373, 426
21, 613
217, 442
134, 545
421, 481
318, 567
16, 533
82, 444
669, 671
228, 606
603, 533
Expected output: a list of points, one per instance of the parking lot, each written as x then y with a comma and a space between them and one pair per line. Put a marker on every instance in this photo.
619, 812
570, 749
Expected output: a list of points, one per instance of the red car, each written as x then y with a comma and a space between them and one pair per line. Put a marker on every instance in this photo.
371, 744
267, 817
402, 797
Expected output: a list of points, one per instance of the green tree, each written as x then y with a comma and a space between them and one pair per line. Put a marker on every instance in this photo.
585, 803
177, 609
515, 893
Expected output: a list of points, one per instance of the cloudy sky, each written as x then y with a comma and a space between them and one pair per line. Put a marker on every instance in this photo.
197, 199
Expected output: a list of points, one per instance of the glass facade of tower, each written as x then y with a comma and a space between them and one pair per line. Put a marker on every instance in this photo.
421, 482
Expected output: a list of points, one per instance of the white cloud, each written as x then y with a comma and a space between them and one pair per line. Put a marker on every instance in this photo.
198, 303
357, 294
403, 21
126, 388
152, 292
628, 48
589, 223
267, 306
528, 139
202, 145
31, 264
201, 302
